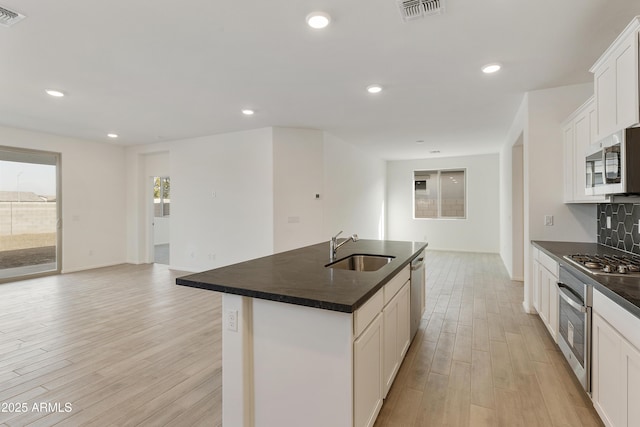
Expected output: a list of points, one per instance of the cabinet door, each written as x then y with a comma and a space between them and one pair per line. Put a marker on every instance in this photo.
396, 338
608, 393
569, 160
536, 286
582, 143
631, 364
553, 307
390, 361
626, 63
367, 381
404, 321
605, 92
544, 295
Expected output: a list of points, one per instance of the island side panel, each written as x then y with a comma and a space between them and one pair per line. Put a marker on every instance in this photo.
303, 366
237, 362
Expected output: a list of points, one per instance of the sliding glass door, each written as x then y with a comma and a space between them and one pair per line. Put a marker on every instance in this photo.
29, 213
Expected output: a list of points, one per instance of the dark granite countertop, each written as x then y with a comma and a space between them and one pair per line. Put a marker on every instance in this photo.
625, 291
300, 276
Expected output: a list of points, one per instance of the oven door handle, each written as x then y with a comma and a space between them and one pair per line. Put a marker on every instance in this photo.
565, 294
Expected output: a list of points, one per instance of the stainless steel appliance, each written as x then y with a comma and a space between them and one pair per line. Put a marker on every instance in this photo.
574, 328
611, 265
611, 164
417, 292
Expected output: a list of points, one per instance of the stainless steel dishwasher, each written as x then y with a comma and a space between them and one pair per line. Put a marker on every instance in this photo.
417, 292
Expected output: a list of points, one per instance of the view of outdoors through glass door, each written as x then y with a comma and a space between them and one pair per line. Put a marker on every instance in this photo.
28, 213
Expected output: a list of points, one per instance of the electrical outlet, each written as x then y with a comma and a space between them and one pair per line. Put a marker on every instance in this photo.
548, 220
232, 320
212, 257
608, 222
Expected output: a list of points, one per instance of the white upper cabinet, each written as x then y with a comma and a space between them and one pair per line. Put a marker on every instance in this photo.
578, 135
616, 84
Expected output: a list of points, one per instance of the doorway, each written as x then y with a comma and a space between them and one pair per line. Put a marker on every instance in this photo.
30, 206
161, 219
517, 209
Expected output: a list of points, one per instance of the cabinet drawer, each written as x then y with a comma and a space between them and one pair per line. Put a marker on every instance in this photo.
393, 286
624, 322
365, 314
548, 263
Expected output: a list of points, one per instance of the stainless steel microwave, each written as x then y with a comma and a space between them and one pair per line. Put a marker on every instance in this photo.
613, 164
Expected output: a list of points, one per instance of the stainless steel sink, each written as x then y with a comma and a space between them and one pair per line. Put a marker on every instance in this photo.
361, 262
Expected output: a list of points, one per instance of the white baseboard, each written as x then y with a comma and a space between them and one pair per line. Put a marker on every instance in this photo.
91, 267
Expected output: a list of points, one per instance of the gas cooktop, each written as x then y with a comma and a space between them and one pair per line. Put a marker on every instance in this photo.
608, 265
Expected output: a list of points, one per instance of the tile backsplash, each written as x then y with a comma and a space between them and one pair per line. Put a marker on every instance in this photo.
624, 233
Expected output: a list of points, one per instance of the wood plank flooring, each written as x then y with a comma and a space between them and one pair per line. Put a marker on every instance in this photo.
479, 360
125, 346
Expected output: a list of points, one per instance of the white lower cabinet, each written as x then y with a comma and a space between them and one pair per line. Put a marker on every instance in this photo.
367, 365
396, 335
545, 290
381, 328
615, 363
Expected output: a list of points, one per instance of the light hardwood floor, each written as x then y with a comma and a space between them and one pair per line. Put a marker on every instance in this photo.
123, 345
479, 360
127, 347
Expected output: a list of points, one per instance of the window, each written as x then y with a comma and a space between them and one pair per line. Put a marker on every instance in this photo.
161, 196
439, 194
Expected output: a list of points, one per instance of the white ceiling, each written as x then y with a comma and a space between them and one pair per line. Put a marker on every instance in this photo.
154, 70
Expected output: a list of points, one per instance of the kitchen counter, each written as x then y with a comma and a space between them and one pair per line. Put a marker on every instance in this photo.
299, 337
300, 277
624, 291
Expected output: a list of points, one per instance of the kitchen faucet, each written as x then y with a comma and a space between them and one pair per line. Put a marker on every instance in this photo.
334, 245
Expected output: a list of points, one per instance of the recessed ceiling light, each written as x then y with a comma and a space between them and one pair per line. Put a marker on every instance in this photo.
55, 93
491, 68
248, 112
112, 135
374, 88
318, 20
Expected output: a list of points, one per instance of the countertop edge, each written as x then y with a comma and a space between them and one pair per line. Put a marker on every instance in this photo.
589, 279
307, 302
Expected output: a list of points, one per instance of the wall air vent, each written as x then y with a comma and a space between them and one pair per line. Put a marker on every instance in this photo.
416, 9
9, 17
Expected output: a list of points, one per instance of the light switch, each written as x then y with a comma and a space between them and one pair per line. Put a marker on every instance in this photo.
548, 220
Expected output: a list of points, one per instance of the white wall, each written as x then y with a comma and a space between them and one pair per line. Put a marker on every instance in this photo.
479, 232
297, 178
93, 203
545, 181
208, 230
539, 120
354, 191
261, 178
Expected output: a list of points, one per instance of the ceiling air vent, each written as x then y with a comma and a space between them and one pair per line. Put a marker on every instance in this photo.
416, 9
9, 17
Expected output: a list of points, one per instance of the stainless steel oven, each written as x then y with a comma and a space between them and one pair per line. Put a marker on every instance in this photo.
575, 300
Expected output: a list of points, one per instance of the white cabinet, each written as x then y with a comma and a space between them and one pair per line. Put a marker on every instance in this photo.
368, 373
396, 335
578, 135
616, 83
545, 290
381, 331
615, 363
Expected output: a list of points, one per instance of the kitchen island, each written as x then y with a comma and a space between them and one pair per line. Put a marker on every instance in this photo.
307, 344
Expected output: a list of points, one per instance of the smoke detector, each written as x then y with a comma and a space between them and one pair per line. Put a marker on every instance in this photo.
9, 17
416, 9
